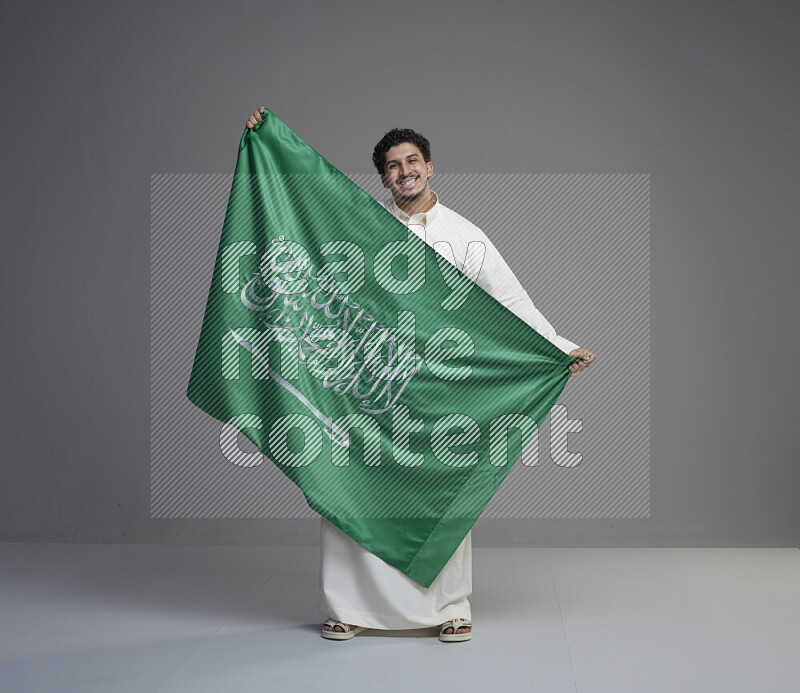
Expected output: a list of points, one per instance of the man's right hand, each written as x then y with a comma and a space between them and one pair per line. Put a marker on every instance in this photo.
583, 359
256, 117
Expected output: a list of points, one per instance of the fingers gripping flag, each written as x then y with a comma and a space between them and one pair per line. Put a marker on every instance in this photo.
392, 390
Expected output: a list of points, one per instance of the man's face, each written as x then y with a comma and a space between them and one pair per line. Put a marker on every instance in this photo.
406, 173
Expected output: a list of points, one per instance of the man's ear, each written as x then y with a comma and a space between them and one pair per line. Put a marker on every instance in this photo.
430, 168
383, 180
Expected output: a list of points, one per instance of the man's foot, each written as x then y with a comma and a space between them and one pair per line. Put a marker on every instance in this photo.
461, 629
337, 630
455, 630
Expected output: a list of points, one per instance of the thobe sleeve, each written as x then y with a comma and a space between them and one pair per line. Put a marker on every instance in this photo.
497, 279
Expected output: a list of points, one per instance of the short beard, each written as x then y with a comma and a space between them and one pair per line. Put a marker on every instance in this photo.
415, 196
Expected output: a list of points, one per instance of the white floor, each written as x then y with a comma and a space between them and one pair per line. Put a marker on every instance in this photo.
227, 619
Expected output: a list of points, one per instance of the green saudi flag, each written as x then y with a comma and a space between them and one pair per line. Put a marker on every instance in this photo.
394, 391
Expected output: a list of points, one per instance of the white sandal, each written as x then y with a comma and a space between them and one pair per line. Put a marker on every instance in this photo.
455, 624
336, 635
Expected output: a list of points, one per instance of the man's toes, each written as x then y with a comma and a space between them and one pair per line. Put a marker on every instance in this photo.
448, 630
337, 629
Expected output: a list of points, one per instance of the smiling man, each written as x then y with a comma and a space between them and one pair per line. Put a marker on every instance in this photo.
358, 590
405, 168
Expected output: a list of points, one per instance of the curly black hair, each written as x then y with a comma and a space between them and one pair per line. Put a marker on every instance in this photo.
397, 136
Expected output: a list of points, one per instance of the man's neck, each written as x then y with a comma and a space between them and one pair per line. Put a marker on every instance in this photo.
419, 205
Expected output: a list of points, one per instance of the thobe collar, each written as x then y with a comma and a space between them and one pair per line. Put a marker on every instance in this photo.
423, 218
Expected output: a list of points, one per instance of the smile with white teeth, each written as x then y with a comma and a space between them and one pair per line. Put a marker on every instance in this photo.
408, 182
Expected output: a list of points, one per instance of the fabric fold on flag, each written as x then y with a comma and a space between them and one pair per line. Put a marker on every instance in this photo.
390, 388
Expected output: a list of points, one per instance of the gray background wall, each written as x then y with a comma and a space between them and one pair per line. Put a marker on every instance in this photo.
702, 96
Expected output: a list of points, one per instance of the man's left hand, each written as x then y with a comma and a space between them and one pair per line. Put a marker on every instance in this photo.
577, 366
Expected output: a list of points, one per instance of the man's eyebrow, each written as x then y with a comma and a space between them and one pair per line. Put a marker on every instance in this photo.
390, 161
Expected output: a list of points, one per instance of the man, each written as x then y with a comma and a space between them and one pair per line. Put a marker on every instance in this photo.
358, 589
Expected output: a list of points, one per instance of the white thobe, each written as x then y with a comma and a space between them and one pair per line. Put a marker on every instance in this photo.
355, 585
